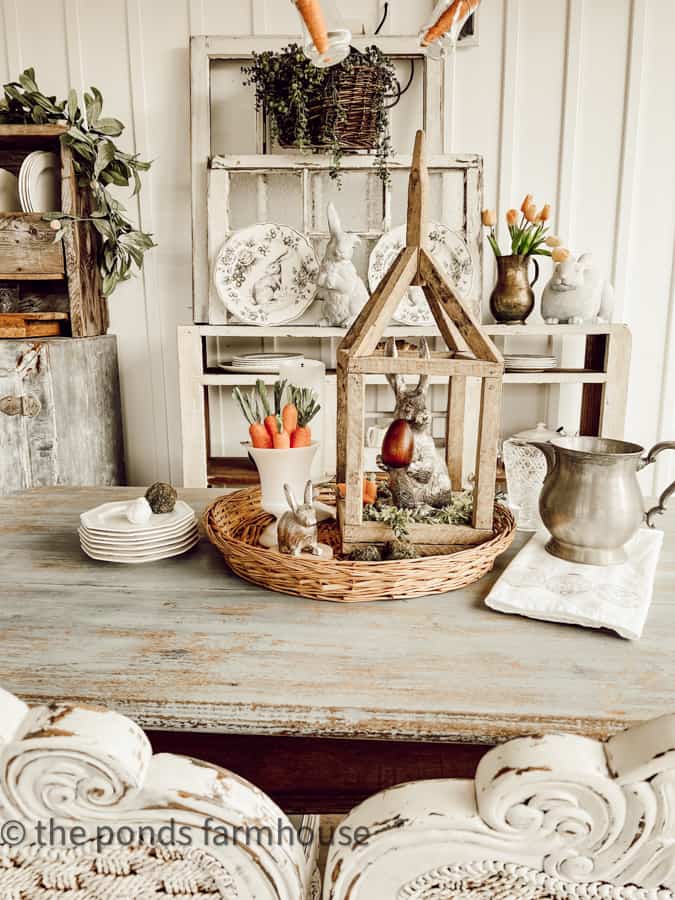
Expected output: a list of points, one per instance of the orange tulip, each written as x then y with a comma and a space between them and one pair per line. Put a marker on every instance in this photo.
526, 202
553, 241
512, 217
560, 254
545, 213
489, 217
531, 213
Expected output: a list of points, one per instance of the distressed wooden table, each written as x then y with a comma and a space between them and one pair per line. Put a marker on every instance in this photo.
192, 653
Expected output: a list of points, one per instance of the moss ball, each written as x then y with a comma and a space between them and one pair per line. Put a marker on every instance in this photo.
161, 497
400, 550
365, 554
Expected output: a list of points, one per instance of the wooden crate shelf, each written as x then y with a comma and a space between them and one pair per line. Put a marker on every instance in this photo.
27, 325
36, 274
27, 249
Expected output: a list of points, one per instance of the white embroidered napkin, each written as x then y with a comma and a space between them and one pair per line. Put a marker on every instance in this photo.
541, 586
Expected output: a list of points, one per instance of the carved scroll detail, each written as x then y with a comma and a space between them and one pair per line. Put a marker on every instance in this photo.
547, 816
496, 880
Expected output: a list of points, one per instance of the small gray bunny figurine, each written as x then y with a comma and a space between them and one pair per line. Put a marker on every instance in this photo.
297, 528
425, 482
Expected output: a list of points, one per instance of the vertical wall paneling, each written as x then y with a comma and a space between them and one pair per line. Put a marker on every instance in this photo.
4, 49
157, 341
665, 464
10, 15
508, 118
628, 173
561, 407
258, 16
76, 79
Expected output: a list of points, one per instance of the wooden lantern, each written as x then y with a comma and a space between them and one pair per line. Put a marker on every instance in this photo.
359, 357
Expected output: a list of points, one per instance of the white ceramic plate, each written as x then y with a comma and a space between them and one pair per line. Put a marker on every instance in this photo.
40, 182
119, 545
150, 557
143, 549
266, 274
250, 370
111, 518
120, 539
9, 192
449, 251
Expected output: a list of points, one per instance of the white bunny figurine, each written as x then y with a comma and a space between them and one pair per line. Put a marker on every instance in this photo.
577, 293
339, 285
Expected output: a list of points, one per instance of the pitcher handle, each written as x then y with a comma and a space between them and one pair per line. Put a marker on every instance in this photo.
660, 508
536, 271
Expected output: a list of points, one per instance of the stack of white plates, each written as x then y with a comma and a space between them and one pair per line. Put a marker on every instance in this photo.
265, 363
529, 362
108, 535
9, 192
39, 183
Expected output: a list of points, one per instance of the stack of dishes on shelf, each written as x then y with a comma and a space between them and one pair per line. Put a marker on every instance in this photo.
107, 535
9, 192
40, 182
529, 362
262, 363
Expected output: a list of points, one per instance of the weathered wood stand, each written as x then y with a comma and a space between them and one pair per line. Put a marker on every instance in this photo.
60, 418
36, 274
358, 357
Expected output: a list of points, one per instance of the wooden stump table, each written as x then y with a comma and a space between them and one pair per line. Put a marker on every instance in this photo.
318, 704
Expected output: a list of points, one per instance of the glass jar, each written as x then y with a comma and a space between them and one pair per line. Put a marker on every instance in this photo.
525, 467
326, 38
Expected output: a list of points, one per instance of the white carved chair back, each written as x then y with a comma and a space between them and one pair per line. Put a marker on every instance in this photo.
557, 816
87, 812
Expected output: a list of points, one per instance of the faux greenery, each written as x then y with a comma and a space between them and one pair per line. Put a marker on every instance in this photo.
399, 520
99, 164
288, 87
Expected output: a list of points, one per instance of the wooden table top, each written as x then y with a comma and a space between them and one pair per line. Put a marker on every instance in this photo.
185, 645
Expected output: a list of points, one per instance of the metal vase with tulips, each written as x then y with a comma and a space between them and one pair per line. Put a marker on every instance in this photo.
512, 299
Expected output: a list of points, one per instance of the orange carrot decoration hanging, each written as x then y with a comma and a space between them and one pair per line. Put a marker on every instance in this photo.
452, 20
313, 17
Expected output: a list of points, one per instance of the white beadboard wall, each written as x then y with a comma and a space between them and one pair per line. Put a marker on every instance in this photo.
569, 99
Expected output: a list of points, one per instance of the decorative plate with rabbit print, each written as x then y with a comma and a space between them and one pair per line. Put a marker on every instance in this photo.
449, 251
266, 274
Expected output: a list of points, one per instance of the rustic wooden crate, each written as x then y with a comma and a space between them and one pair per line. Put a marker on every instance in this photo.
49, 277
60, 418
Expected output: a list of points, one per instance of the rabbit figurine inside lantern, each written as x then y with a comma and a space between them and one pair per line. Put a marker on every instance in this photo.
577, 293
298, 529
339, 286
425, 480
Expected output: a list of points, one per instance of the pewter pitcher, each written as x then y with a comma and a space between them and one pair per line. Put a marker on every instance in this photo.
591, 500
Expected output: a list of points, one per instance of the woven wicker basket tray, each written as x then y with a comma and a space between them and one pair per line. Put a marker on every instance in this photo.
235, 522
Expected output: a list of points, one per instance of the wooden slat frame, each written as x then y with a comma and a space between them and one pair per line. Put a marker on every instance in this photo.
413, 365
357, 359
310, 170
204, 49
454, 430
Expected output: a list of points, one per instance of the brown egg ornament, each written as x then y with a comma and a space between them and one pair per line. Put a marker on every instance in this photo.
398, 445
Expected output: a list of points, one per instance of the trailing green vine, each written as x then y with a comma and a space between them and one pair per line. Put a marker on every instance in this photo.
99, 165
290, 91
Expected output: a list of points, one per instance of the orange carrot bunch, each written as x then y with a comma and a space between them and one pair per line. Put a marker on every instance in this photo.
260, 436
306, 405
315, 20
369, 491
452, 20
279, 425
